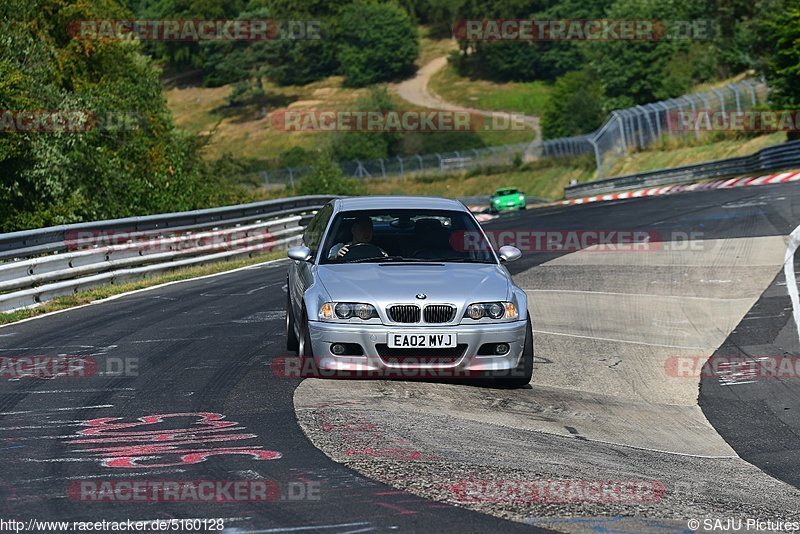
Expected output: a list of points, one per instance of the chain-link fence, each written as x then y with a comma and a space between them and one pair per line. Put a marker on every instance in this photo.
624, 131
633, 129
443, 162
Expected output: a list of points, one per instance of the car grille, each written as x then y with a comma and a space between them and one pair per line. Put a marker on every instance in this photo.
439, 313
404, 313
410, 313
422, 356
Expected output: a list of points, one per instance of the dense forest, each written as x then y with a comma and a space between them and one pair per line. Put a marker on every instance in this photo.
60, 177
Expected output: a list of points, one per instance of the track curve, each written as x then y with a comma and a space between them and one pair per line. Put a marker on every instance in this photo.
210, 346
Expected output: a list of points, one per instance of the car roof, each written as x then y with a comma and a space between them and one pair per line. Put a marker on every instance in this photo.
397, 202
506, 190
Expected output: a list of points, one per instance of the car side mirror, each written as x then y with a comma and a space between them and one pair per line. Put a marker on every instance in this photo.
299, 253
509, 254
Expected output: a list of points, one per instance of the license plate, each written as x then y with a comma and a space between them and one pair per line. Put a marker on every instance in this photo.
405, 340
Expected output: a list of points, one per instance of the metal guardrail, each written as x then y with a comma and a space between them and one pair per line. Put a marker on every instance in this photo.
49, 262
781, 157
624, 131
41, 240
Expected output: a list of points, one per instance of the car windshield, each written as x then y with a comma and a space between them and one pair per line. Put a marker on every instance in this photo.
405, 235
502, 192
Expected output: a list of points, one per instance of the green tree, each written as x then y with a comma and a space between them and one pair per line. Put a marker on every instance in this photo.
362, 145
642, 71
527, 61
375, 43
182, 55
574, 107
146, 166
778, 49
781, 65
326, 178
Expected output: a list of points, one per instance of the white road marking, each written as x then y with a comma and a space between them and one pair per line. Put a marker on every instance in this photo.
262, 317
268, 264
249, 474
48, 391
310, 527
64, 460
171, 339
681, 297
259, 288
791, 281
620, 340
61, 347
106, 475
37, 427
60, 409
173, 520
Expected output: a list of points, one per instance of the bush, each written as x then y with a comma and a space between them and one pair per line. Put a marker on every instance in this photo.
782, 64
294, 157
574, 107
326, 178
376, 43
64, 177
350, 146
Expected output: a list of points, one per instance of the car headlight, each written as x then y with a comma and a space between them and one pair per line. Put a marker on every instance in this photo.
521, 197
331, 311
492, 310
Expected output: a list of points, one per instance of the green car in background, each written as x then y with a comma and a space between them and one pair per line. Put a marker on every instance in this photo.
507, 198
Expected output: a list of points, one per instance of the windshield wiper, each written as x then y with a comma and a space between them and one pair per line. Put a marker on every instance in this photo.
387, 259
401, 259
461, 260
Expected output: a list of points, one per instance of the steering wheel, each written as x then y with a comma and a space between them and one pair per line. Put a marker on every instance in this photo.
363, 251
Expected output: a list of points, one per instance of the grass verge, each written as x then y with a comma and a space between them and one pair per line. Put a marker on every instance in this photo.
547, 178
528, 97
675, 154
85, 297
542, 179
246, 131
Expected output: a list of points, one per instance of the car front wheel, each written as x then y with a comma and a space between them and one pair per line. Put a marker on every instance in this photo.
304, 350
292, 343
521, 375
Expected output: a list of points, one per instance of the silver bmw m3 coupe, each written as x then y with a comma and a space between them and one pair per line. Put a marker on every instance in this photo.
405, 287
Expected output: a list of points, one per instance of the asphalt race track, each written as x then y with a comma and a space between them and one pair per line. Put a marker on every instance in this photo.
188, 382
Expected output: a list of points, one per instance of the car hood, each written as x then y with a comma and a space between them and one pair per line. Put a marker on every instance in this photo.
382, 284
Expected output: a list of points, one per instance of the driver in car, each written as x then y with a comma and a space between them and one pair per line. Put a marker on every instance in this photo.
361, 246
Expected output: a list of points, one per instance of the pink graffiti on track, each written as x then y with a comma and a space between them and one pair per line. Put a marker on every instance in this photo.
120, 446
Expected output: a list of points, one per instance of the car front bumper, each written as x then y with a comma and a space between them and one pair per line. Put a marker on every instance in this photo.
369, 336
515, 205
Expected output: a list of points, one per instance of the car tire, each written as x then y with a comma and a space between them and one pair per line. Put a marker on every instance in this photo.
292, 343
521, 374
308, 367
